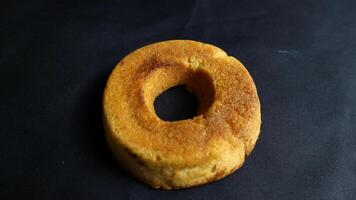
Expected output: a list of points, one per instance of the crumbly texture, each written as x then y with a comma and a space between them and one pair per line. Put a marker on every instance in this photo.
185, 153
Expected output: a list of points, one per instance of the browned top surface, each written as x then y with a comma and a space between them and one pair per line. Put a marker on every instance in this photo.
139, 77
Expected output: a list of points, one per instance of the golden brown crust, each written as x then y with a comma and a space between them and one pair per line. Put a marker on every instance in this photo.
180, 154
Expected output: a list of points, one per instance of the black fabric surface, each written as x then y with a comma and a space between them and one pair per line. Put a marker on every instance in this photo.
55, 57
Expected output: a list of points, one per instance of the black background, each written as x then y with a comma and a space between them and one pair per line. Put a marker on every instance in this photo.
55, 57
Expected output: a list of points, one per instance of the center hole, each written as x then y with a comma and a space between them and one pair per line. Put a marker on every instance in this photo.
176, 103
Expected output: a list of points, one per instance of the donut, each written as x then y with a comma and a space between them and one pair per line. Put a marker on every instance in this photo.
184, 153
